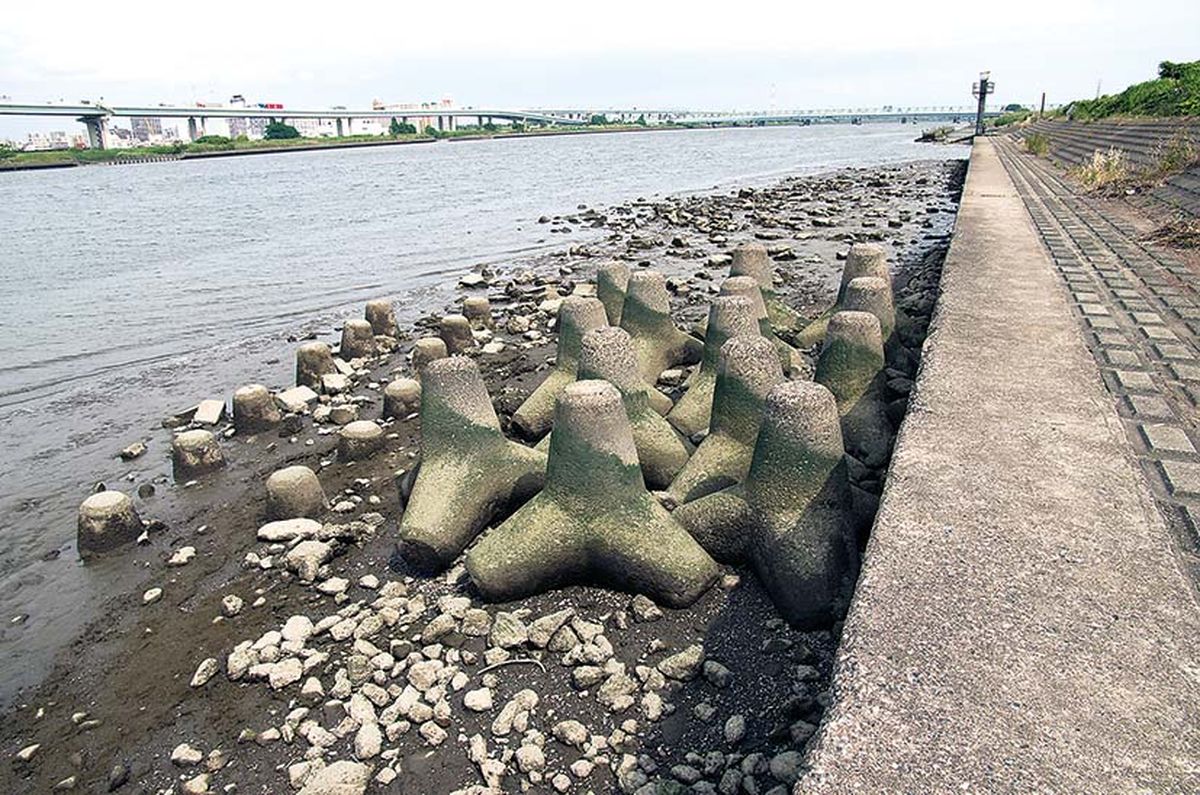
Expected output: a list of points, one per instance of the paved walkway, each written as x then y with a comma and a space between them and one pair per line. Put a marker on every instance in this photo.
1023, 623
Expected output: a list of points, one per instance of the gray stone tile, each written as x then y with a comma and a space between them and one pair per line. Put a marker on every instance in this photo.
1159, 333
1149, 407
1183, 478
1166, 439
1123, 359
1135, 382
1186, 372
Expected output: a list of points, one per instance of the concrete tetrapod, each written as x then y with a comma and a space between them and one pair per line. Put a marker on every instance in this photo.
594, 521
455, 331
401, 398
607, 355
576, 317
107, 520
789, 358
313, 360
470, 474
851, 366
254, 409
294, 492
729, 316
646, 315
874, 295
382, 318
747, 370
612, 279
477, 309
358, 340
426, 350
751, 259
195, 453
863, 260
790, 518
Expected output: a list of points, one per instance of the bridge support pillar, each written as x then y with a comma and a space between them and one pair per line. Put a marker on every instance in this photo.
97, 131
193, 130
340, 132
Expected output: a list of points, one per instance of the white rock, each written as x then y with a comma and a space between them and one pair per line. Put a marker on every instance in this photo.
182, 556
185, 755
340, 778
207, 670
478, 700
305, 558
285, 673
231, 605
287, 530
368, 741
151, 596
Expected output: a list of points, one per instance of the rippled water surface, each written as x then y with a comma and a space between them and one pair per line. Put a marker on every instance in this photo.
129, 292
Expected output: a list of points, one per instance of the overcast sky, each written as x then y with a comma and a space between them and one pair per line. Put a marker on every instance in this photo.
534, 53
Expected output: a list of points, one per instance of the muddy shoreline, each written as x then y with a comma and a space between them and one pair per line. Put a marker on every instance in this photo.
107, 717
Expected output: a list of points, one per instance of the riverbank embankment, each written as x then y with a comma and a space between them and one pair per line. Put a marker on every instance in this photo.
1022, 613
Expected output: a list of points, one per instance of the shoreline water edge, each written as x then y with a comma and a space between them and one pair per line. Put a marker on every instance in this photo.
432, 689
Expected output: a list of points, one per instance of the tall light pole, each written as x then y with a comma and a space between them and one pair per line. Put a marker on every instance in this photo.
981, 89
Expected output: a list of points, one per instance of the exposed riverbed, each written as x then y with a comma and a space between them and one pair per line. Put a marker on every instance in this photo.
132, 292
130, 670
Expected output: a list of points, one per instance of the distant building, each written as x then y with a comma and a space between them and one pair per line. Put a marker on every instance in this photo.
146, 129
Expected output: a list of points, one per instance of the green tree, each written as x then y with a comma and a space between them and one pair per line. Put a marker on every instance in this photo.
598, 118
7, 151
641, 120
490, 126
1013, 107
394, 128
433, 132
278, 131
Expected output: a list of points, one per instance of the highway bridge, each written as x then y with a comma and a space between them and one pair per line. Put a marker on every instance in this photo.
95, 115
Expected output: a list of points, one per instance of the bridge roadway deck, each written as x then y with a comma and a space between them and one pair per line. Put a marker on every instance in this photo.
1023, 622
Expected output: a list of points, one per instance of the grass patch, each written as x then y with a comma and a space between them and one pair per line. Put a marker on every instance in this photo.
1172, 156
1011, 118
1037, 144
1106, 172
1176, 92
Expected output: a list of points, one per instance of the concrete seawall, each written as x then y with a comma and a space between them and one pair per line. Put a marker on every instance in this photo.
1022, 622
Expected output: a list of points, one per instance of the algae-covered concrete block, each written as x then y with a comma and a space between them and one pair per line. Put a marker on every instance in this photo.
594, 521
254, 409
358, 340
790, 519
612, 278
748, 368
380, 315
576, 317
865, 260
789, 358
607, 355
851, 366
646, 315
313, 360
752, 259
729, 316
470, 474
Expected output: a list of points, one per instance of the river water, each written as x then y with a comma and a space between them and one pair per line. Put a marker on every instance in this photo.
131, 292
